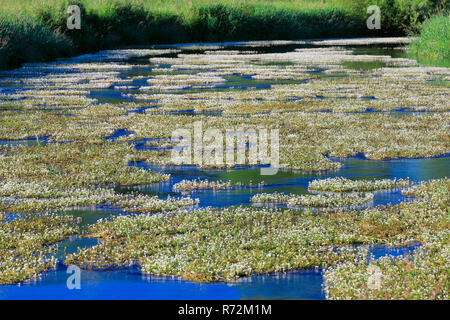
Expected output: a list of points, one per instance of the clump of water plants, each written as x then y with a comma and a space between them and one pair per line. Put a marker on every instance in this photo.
422, 275
320, 200
340, 184
21, 197
76, 164
199, 184
333, 109
224, 244
306, 137
25, 244
210, 245
326, 102
428, 188
432, 44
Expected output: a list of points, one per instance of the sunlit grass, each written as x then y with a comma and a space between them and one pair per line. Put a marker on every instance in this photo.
433, 43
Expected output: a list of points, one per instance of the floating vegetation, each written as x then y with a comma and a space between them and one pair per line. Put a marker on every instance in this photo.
182, 81
25, 244
87, 125
332, 110
211, 245
331, 201
340, 184
428, 188
275, 197
305, 138
198, 184
59, 176
44, 197
422, 275
224, 244
75, 164
432, 46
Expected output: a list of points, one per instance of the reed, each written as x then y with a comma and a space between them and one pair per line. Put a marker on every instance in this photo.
433, 43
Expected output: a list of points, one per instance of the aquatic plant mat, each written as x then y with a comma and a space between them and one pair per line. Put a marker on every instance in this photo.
37, 30
95, 132
25, 245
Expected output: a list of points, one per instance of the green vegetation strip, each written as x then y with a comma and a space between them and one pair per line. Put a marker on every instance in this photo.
76, 164
331, 201
419, 276
35, 197
199, 184
340, 184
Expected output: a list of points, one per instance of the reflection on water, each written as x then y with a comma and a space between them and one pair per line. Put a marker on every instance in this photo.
30, 142
131, 284
294, 182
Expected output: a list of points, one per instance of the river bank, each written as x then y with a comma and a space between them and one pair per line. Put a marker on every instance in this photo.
37, 31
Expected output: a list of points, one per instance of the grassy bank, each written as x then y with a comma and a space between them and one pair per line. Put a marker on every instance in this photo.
433, 44
30, 40
36, 30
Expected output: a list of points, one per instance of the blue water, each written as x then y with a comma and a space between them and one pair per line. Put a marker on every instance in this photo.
131, 284
297, 183
25, 142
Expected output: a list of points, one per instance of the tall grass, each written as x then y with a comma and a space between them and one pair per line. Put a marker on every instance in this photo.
433, 43
35, 30
29, 40
400, 17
